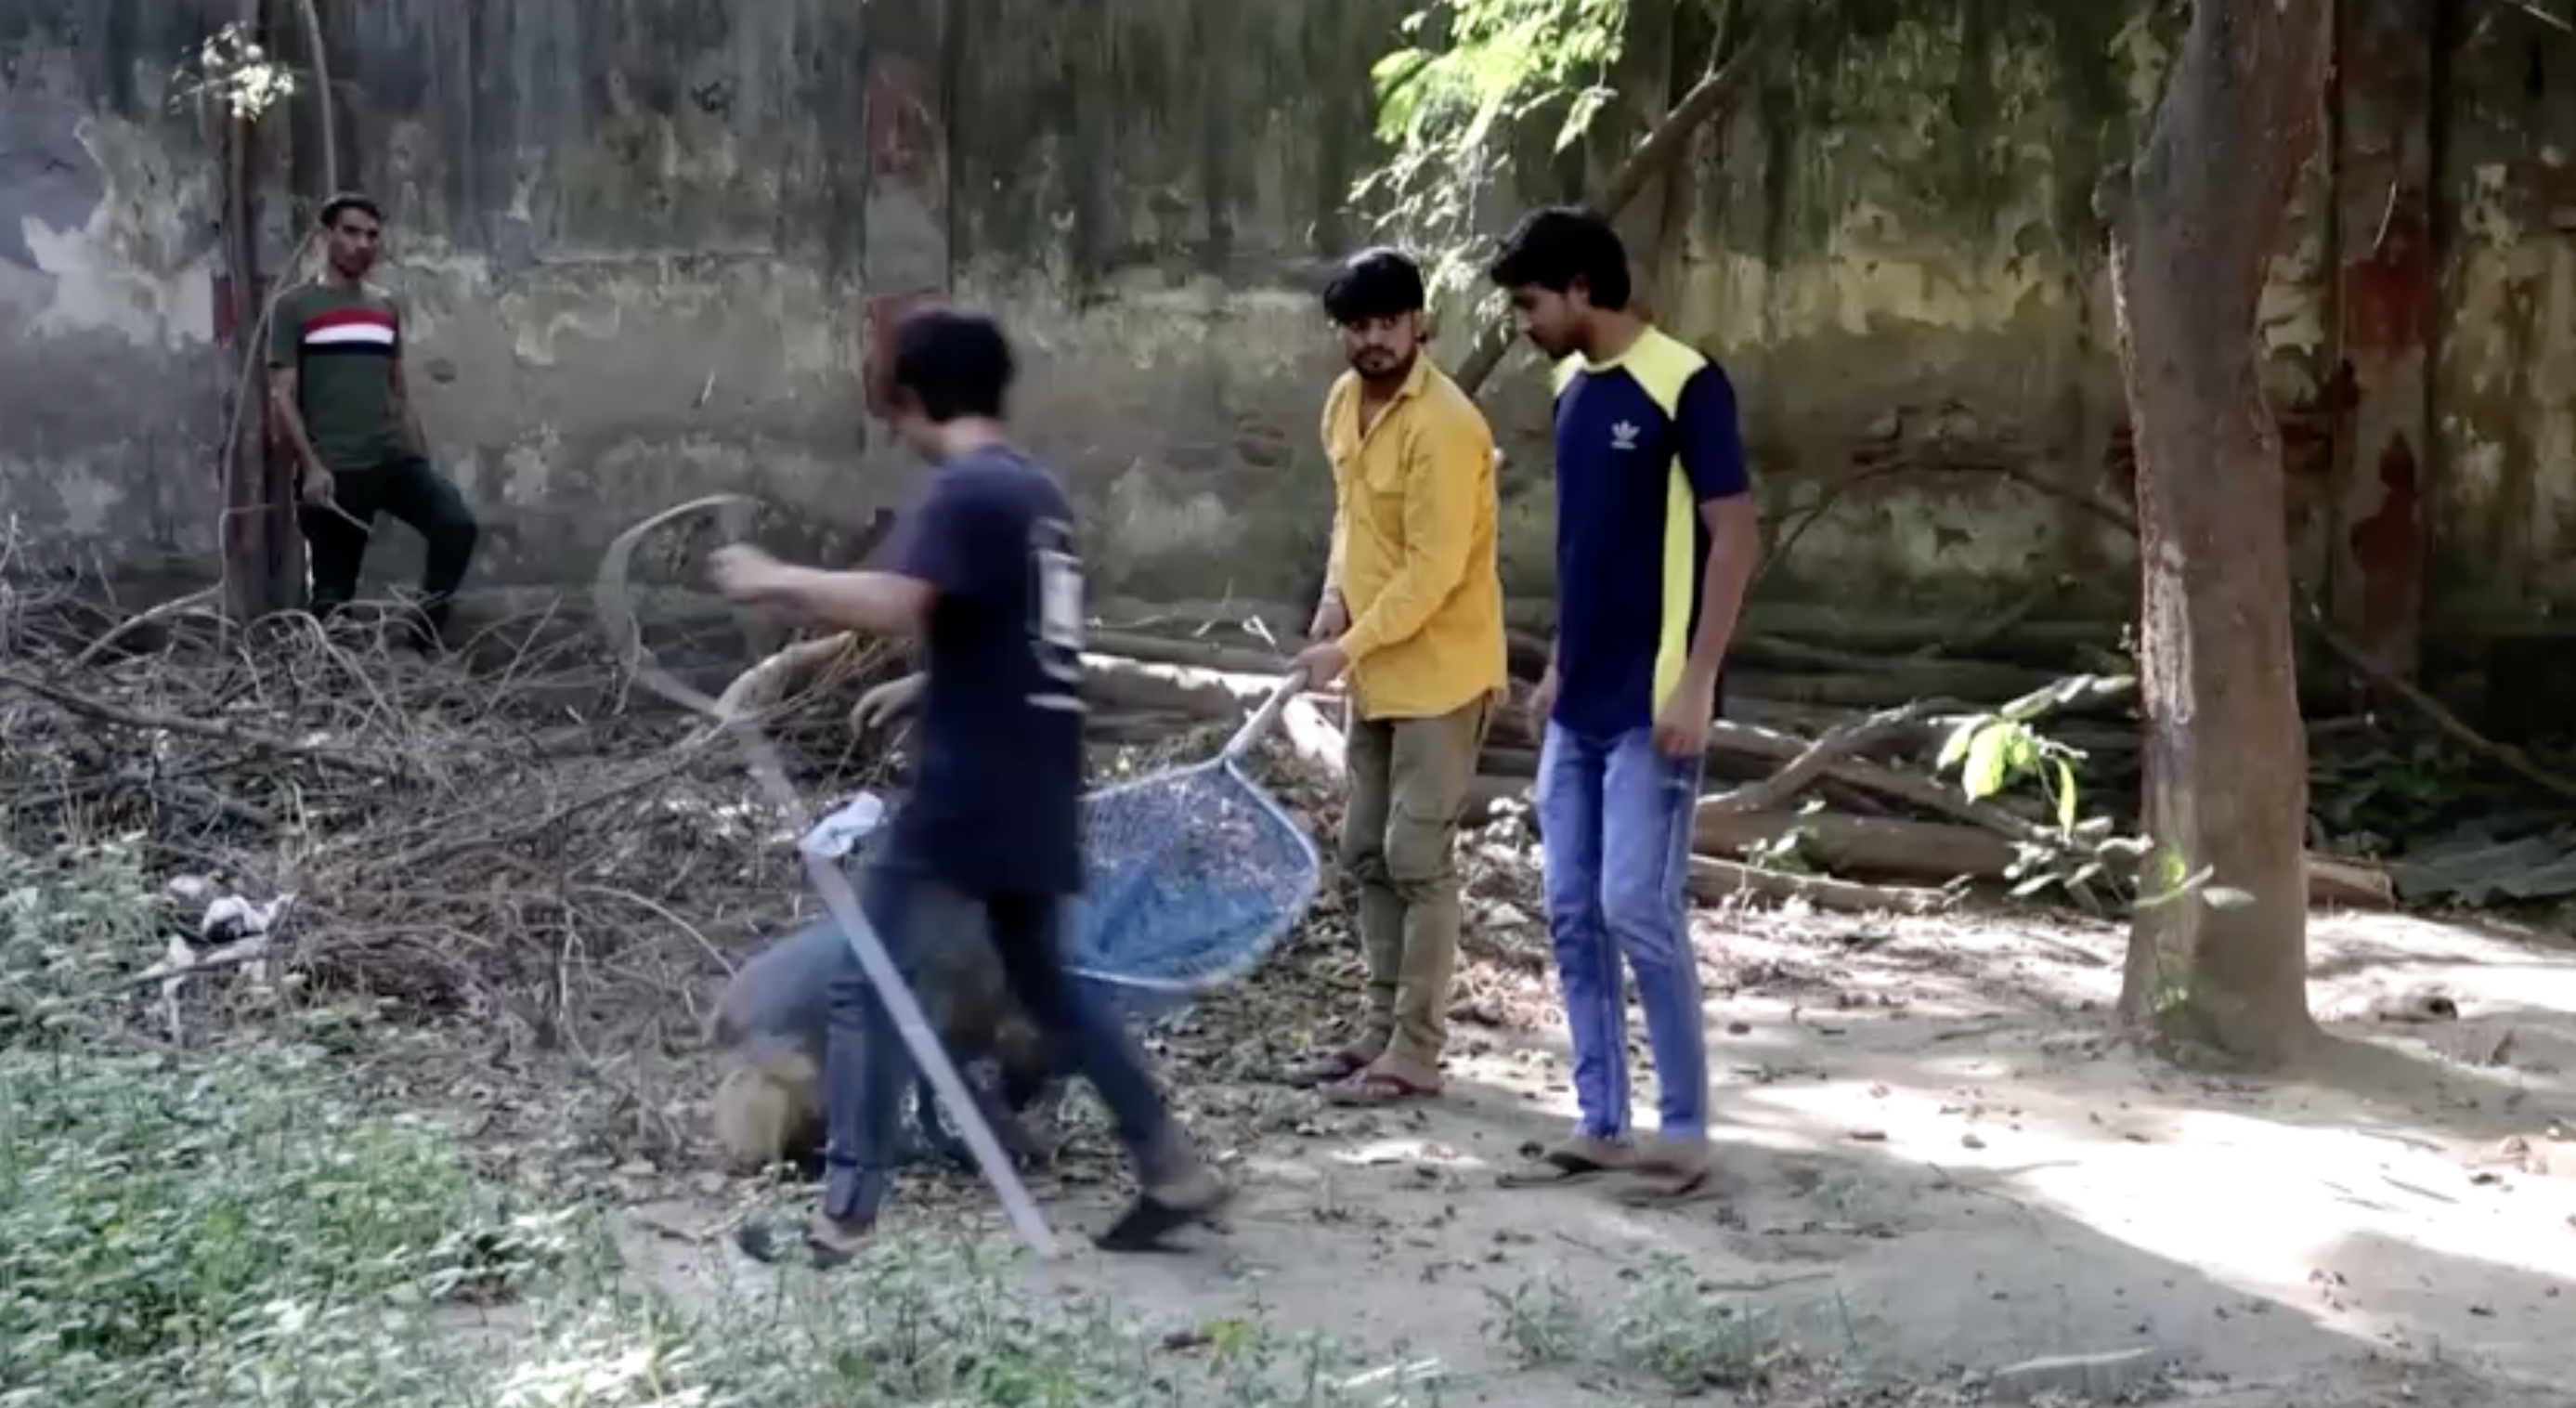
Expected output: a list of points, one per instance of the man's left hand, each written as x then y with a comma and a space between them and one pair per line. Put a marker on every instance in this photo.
743, 573
1324, 663
1681, 727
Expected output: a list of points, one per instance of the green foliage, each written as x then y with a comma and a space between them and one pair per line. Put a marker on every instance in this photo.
1539, 1324
244, 1236
1995, 751
233, 69
1453, 101
69, 920
1670, 1329
228, 1236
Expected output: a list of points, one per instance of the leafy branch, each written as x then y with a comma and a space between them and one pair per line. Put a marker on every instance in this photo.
1995, 750
1476, 78
1471, 77
237, 71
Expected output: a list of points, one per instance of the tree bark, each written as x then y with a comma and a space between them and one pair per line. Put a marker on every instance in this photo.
2222, 968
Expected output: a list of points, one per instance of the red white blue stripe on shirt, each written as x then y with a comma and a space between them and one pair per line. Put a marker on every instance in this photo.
363, 330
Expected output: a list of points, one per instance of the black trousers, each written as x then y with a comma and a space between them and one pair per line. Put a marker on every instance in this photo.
407, 490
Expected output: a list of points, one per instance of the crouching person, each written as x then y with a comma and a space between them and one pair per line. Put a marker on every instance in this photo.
773, 1027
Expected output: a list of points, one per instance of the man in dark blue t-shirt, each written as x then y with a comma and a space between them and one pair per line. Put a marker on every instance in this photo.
1656, 537
987, 575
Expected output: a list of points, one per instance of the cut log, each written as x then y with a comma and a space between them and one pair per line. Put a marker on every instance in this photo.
1128, 685
1139, 729
1717, 881
2351, 884
1839, 744
1900, 682
1908, 677
1858, 846
792, 671
1938, 852
2109, 741
1148, 649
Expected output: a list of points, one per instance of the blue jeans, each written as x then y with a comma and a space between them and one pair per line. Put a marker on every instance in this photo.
866, 1065
1614, 821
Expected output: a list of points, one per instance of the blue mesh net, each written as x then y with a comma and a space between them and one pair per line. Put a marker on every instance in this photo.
1193, 877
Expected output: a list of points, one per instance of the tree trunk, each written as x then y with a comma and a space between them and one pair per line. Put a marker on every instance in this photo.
2222, 967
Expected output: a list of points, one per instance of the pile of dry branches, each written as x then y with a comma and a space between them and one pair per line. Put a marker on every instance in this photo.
508, 833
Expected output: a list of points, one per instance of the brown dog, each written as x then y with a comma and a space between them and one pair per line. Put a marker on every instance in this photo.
770, 1027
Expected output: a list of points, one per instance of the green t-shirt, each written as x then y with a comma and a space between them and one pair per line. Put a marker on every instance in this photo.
342, 343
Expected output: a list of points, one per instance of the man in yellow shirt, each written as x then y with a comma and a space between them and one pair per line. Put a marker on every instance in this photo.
1413, 611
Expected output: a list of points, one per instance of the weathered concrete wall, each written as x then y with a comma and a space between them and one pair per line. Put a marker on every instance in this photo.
646, 243
1892, 244
108, 379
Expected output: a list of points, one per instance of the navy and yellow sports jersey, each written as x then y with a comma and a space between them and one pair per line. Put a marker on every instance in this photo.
1642, 440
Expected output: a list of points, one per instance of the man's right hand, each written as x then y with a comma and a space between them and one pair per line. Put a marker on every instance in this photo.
1542, 701
318, 488
1332, 618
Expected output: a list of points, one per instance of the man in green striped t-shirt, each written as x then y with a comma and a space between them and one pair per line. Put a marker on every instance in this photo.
335, 359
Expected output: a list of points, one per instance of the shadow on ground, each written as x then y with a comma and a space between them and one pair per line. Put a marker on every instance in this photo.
1933, 1174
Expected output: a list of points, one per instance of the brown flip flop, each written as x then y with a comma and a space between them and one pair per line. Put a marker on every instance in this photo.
1560, 1167
1670, 1190
1659, 1180
1370, 1089
1329, 1067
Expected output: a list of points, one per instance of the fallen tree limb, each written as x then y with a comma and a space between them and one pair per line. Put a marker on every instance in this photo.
2309, 617
1935, 852
1912, 788
788, 673
176, 606
1837, 745
1142, 648
1909, 677
104, 712
1715, 881
2097, 739
1128, 690
1883, 847
2332, 880
1896, 685
2450, 725
1123, 683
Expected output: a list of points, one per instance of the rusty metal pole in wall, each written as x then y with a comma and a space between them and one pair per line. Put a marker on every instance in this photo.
247, 537
287, 583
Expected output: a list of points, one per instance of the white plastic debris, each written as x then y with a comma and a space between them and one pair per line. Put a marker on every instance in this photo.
232, 932
837, 835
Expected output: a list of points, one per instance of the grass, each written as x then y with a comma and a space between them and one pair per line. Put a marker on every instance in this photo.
240, 1234
244, 1228
1670, 1331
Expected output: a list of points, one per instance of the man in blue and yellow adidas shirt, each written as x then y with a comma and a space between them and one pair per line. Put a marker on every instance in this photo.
1656, 537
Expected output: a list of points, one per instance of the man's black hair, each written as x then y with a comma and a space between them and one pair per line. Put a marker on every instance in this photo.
956, 364
1557, 247
1374, 283
347, 201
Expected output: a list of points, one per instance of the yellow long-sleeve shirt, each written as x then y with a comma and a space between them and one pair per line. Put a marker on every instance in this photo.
1413, 553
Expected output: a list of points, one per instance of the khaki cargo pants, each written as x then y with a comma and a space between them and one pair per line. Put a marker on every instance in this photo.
1410, 780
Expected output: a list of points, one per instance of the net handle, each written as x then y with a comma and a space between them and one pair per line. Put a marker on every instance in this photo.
1264, 718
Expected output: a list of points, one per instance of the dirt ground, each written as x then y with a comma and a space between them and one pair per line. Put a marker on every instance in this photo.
1938, 1169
